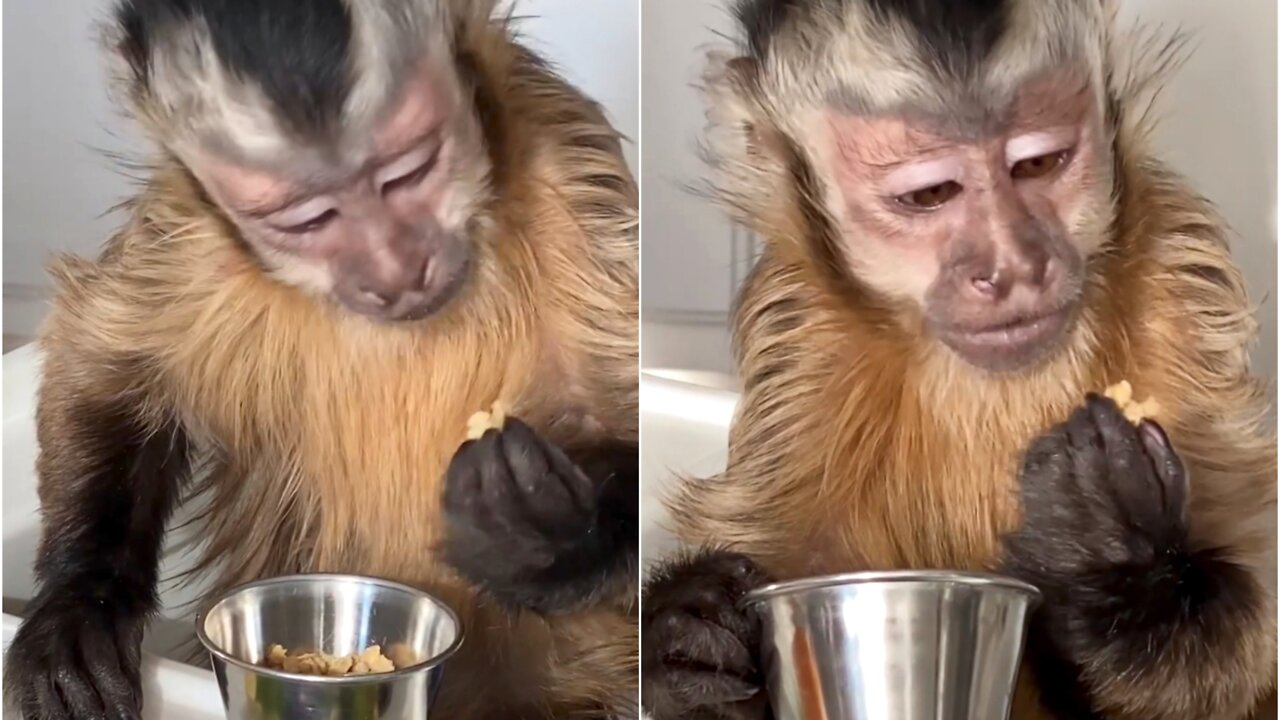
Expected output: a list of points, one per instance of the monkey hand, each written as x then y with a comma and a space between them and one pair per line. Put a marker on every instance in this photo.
74, 658
533, 528
1099, 492
1104, 533
700, 656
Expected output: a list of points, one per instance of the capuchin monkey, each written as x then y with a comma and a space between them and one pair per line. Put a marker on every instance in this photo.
366, 221
965, 236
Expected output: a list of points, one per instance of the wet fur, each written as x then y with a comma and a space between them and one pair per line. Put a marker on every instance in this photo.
860, 445
321, 439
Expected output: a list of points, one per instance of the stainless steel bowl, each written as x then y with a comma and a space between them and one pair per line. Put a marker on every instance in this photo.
335, 614
894, 645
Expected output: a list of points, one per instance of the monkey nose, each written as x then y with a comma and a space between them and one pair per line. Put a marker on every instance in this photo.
393, 295
377, 298
989, 285
387, 294
389, 303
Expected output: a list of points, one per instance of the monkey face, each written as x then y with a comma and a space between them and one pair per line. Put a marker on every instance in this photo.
987, 232
377, 223
369, 209
949, 158
340, 138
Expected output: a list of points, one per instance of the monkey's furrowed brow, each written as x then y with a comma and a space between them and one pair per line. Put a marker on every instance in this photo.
886, 150
418, 140
911, 153
893, 164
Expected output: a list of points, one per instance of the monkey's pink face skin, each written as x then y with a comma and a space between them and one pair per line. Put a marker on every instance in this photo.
382, 233
988, 236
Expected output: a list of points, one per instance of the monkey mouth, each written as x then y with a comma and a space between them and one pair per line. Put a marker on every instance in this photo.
1010, 345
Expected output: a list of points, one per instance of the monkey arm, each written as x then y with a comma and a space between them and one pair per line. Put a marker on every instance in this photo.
1149, 610
609, 553
108, 482
1171, 637
1197, 623
541, 528
107, 497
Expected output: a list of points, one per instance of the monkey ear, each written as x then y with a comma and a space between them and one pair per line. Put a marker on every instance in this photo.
741, 144
126, 62
744, 71
733, 118
727, 77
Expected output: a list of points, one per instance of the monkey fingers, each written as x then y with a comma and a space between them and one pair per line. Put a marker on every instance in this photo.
1169, 469
694, 695
1101, 457
694, 645
520, 490
558, 496
1117, 443
701, 648
1054, 502
525, 523
1113, 486
69, 661
1146, 473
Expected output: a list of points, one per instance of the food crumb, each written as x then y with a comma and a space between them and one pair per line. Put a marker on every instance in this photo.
1134, 412
370, 661
482, 420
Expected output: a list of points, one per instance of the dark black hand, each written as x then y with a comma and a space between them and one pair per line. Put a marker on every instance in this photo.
700, 655
1098, 492
1104, 537
76, 658
534, 528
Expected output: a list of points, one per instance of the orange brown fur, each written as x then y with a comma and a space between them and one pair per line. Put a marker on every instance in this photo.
324, 437
859, 444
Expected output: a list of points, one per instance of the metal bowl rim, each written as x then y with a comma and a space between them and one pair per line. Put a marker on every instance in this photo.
971, 579
372, 678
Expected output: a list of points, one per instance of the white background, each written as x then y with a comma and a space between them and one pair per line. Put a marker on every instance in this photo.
1219, 129
58, 184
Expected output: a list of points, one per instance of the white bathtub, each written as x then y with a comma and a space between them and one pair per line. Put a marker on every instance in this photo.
684, 424
684, 428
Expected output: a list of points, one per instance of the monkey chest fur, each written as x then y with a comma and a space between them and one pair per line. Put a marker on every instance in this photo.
919, 505
335, 432
331, 450
907, 478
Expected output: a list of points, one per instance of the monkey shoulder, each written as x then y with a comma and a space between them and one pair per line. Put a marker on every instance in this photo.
157, 263
576, 153
152, 295
1177, 248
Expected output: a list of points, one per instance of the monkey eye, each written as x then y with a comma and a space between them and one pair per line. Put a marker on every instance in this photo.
312, 225
1038, 166
930, 197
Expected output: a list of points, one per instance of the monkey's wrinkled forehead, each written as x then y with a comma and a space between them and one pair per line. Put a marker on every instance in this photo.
253, 77
960, 59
